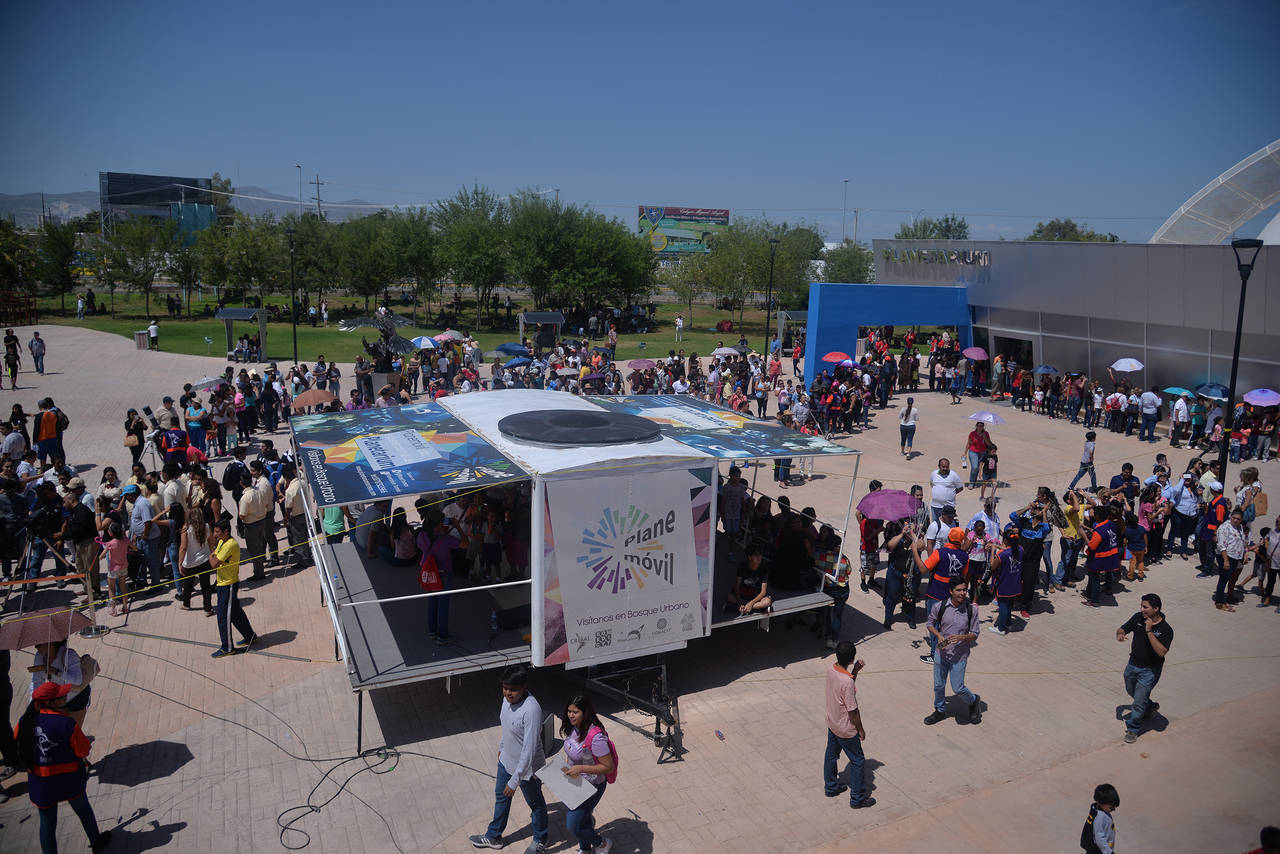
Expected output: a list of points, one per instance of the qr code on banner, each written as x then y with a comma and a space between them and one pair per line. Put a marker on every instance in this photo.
604, 637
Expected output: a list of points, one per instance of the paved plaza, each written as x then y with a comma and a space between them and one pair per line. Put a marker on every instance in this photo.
202, 755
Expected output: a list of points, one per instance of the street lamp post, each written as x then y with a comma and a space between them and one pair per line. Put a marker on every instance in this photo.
768, 297
1245, 267
293, 296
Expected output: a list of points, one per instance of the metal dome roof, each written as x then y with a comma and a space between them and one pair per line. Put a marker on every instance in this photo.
1227, 202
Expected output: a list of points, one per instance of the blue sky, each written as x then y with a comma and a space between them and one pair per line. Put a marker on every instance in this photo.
1004, 112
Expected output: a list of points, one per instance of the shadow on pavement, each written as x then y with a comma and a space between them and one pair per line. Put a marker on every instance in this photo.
142, 763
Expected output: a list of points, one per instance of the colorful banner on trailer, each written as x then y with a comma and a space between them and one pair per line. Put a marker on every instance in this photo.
401, 450
626, 563
717, 431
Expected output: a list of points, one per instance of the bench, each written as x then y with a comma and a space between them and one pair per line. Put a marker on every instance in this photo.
788, 603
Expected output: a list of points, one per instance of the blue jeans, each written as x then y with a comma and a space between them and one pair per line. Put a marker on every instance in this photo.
1047, 557
39, 360
1067, 563
852, 748
49, 823
906, 432
975, 460
1227, 569
174, 564
35, 557
1085, 468
839, 596
1148, 428
532, 791
1138, 682
151, 557
941, 669
581, 821
438, 608
1005, 612
894, 587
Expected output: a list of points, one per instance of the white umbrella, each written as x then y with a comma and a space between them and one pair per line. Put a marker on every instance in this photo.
724, 351
1126, 364
986, 417
424, 342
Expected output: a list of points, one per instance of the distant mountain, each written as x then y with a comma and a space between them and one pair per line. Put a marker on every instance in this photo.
281, 205
25, 207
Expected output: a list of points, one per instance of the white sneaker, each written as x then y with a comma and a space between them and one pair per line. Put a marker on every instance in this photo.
997, 631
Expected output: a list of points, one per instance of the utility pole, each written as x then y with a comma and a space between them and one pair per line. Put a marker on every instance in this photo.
298, 166
557, 195
316, 197
844, 208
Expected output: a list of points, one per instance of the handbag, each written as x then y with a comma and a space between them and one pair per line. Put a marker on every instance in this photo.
131, 441
429, 575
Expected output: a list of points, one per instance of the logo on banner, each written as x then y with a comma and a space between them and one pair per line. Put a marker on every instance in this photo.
628, 548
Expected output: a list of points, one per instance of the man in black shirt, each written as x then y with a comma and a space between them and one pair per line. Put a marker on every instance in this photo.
1152, 636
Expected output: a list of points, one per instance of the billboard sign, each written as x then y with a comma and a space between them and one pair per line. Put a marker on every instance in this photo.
681, 230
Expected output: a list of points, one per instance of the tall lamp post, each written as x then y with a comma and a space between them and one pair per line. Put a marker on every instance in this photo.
844, 210
768, 296
1244, 263
293, 296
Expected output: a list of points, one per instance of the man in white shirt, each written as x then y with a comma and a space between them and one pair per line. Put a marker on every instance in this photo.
1181, 418
13, 445
680, 386
945, 485
1149, 403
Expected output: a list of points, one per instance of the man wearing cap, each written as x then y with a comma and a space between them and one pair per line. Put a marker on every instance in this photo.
947, 562
1185, 498
79, 529
1215, 514
938, 531
167, 412
145, 532
255, 501
54, 748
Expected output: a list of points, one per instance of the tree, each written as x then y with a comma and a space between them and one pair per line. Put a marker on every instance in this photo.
949, 227
224, 212
90, 223
256, 254
416, 247
1068, 230
211, 256
314, 252
849, 262
16, 257
57, 258
687, 279
364, 255
183, 266
541, 242
473, 231
137, 251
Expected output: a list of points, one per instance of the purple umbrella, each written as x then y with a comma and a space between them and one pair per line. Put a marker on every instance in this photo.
888, 505
642, 364
976, 353
594, 377
1262, 397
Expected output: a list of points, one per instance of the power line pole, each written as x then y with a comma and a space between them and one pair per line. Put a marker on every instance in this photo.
316, 197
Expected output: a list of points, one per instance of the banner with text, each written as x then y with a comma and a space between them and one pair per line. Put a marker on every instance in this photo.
373, 454
626, 563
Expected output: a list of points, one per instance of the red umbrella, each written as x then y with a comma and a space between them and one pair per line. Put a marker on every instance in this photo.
835, 356
47, 626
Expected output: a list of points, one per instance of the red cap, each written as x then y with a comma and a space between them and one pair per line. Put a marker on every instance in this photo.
49, 691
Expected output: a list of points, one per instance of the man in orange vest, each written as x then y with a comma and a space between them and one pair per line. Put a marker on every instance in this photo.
1215, 513
47, 431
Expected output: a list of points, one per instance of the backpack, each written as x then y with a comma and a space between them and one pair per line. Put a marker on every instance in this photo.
1086, 833
231, 475
63, 421
429, 577
1251, 512
612, 776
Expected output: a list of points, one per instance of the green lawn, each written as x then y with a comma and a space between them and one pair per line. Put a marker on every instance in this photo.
187, 336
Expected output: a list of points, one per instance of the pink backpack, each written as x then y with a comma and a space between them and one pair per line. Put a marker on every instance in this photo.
612, 776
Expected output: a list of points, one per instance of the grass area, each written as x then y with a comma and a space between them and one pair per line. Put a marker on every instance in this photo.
188, 336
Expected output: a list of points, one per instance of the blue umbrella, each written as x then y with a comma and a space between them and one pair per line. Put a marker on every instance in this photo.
601, 350
1213, 391
518, 362
513, 349
1177, 390
424, 342
1045, 369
